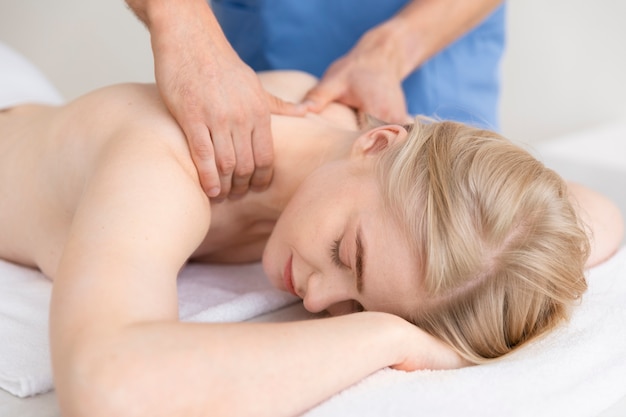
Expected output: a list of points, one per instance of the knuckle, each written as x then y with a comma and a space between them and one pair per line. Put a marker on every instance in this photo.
203, 150
243, 118
244, 169
226, 164
264, 158
261, 111
221, 118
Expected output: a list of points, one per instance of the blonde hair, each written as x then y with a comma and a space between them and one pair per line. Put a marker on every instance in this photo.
499, 244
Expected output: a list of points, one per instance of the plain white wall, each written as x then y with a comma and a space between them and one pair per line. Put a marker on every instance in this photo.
79, 44
563, 68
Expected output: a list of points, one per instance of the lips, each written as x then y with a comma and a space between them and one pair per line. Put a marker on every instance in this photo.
288, 276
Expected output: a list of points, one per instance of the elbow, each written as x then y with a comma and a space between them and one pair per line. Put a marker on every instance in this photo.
115, 378
603, 220
607, 234
97, 382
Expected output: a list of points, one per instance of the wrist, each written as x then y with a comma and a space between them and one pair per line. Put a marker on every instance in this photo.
399, 44
147, 10
160, 15
392, 333
188, 25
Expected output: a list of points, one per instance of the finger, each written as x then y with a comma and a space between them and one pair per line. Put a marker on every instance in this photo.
242, 143
398, 113
203, 156
325, 92
388, 105
225, 158
280, 106
263, 151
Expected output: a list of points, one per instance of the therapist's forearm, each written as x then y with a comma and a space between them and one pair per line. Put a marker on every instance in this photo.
424, 27
150, 10
164, 18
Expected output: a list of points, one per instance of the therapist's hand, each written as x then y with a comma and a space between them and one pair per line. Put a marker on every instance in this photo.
368, 78
217, 100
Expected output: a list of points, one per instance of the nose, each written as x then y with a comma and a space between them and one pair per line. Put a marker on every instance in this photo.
324, 291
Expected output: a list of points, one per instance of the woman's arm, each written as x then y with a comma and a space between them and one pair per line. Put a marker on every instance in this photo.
604, 220
118, 348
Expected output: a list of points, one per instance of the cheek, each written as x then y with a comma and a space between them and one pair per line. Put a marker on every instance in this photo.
293, 229
308, 207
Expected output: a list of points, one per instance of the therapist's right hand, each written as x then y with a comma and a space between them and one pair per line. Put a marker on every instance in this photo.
218, 101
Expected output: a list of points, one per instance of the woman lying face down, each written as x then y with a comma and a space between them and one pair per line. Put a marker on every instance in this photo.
449, 227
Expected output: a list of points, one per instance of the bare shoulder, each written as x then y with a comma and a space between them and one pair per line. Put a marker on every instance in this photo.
292, 86
130, 111
118, 106
289, 85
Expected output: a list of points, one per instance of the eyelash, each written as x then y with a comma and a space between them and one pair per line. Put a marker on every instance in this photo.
334, 253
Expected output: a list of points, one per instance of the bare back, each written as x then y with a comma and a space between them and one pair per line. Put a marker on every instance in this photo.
47, 155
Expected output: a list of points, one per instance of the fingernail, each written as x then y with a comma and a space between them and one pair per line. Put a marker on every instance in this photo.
214, 192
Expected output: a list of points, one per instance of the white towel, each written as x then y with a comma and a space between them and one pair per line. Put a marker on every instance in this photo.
206, 293
24, 348
577, 370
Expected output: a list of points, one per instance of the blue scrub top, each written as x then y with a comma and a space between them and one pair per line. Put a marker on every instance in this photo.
462, 82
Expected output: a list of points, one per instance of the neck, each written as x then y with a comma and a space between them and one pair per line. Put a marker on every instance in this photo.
301, 145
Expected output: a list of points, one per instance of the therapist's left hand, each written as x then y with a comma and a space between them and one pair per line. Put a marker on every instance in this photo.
368, 78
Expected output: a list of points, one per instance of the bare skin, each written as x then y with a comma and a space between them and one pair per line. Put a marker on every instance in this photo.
229, 137
103, 196
55, 160
369, 77
109, 205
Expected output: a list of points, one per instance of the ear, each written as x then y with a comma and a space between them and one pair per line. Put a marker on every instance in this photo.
375, 140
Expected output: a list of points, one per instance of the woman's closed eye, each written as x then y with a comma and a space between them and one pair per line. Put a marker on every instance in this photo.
336, 258
334, 254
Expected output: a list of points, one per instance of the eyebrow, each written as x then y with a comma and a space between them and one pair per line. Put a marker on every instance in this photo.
360, 255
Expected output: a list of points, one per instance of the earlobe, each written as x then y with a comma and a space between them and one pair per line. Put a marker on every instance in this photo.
375, 140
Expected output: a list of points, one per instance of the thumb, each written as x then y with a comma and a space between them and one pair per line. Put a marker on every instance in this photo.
321, 95
388, 105
287, 108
